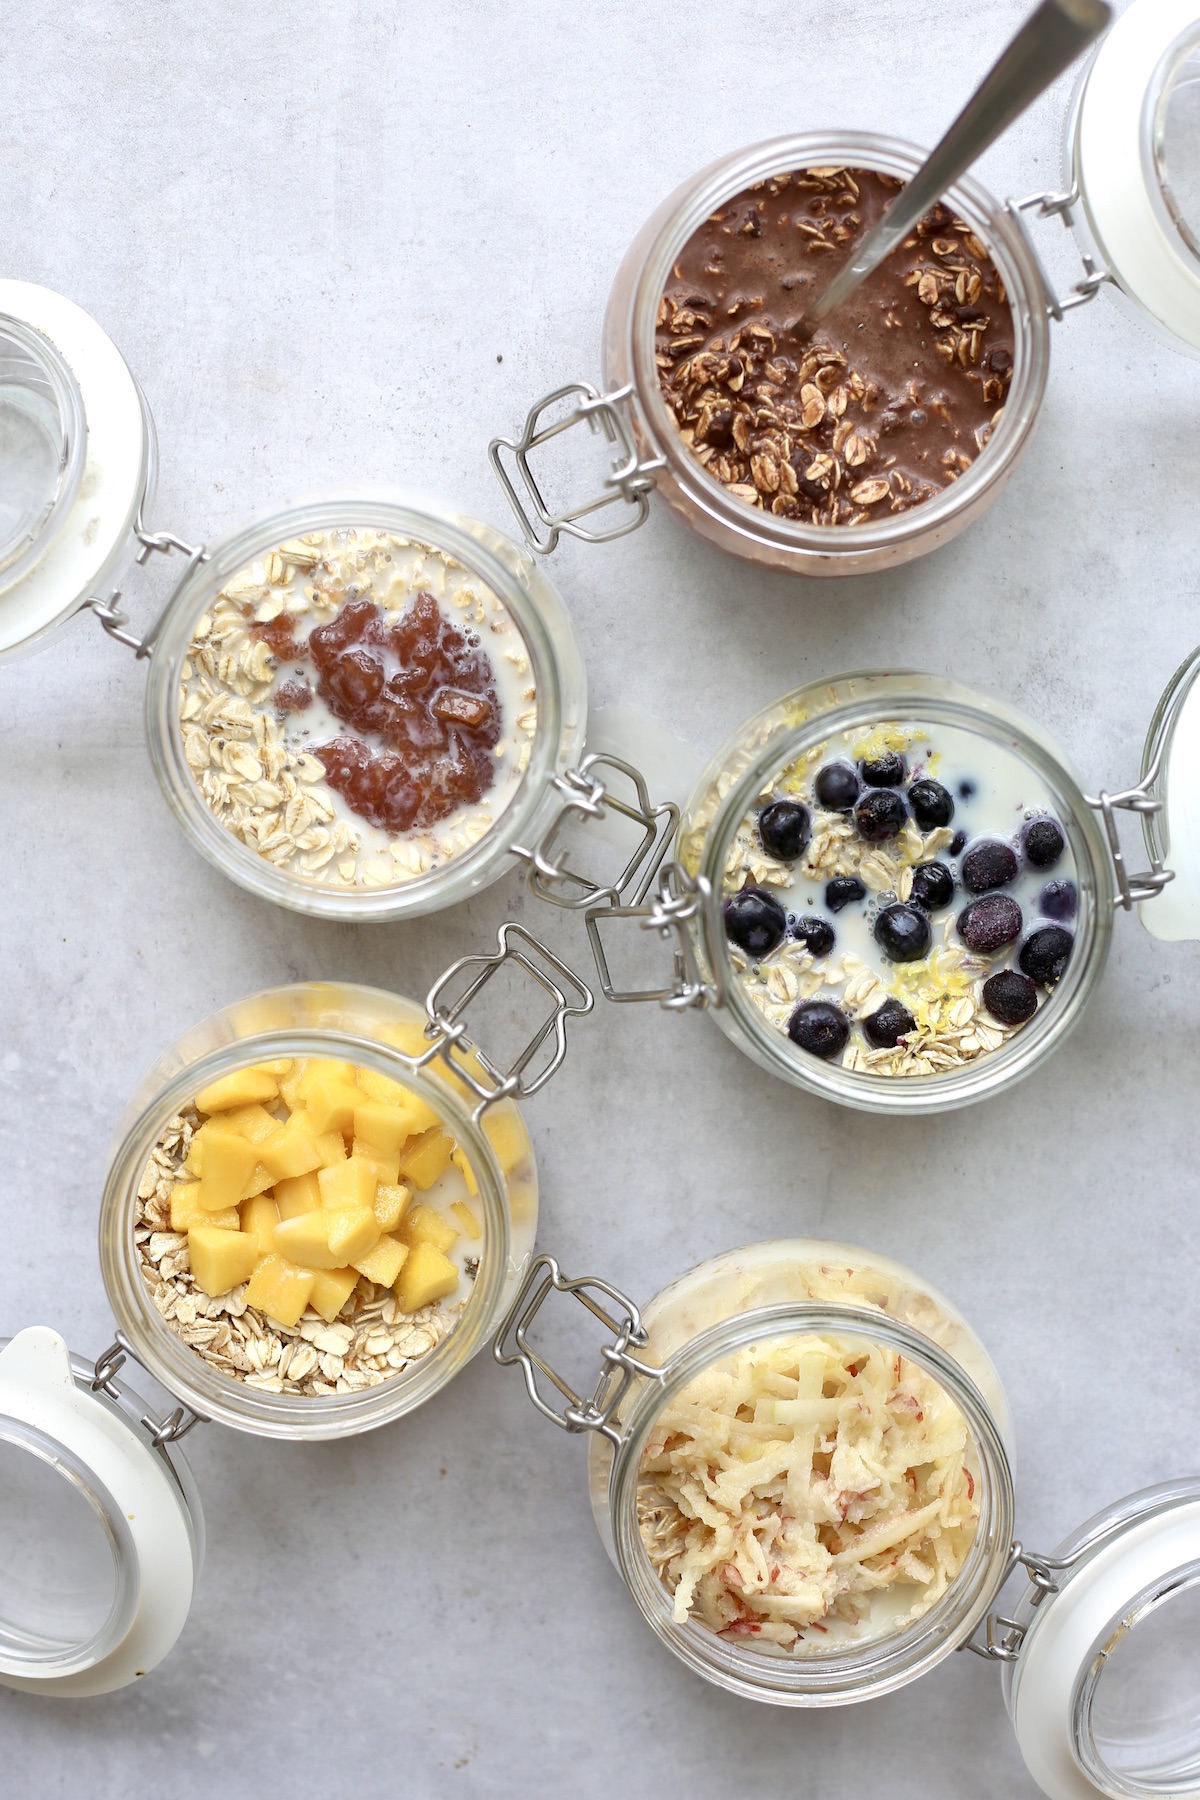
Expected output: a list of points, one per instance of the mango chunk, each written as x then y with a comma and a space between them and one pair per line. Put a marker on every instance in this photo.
242, 1088
426, 1160
466, 1218
389, 1125
220, 1259
260, 1180
252, 1122
282, 1065
349, 1183
427, 1275
353, 1230
329, 1096
390, 1205
384, 1262
459, 1159
386, 1163
304, 1239
505, 1131
423, 1226
302, 1194
332, 1146
260, 1216
229, 1162
331, 1289
187, 1211
289, 1084
280, 1289
289, 1151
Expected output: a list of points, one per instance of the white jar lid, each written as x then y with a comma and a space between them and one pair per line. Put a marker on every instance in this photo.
1136, 156
100, 1545
1174, 914
87, 549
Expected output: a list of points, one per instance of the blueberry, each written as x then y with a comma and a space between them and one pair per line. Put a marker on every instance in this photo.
886, 771
819, 1028
1044, 954
988, 923
957, 842
784, 829
755, 921
836, 787
966, 789
885, 1028
1044, 843
932, 885
932, 804
902, 932
817, 935
1059, 900
988, 865
1010, 997
842, 890
880, 814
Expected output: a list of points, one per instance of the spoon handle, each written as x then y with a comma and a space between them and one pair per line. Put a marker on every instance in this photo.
1048, 42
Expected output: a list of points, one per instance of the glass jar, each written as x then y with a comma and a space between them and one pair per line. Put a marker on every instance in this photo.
688, 906
1098, 1678
1131, 117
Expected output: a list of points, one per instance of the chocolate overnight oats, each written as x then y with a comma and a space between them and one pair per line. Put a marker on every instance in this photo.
891, 401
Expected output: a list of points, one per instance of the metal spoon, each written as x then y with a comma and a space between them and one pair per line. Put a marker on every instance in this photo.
1048, 42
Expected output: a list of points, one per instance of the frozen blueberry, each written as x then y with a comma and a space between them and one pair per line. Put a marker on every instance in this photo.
817, 935
885, 1028
886, 771
988, 923
958, 842
1044, 843
966, 789
880, 814
842, 891
1059, 900
819, 1028
1010, 997
932, 885
988, 865
784, 828
755, 921
932, 804
836, 787
902, 932
1044, 954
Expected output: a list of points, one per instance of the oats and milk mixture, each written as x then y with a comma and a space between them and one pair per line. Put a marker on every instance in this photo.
357, 709
901, 900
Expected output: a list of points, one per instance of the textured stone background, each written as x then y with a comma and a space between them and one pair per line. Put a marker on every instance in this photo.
313, 230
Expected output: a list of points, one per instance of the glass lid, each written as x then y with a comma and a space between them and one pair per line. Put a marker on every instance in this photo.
42, 446
1136, 159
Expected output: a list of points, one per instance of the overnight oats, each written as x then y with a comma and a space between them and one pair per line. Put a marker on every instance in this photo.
892, 400
309, 1227
901, 899
357, 708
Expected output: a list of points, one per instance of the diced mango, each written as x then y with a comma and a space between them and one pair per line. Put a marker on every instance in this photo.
427, 1275
253, 1122
505, 1131
194, 1161
228, 1164
389, 1125
331, 1289
280, 1289
353, 1230
349, 1183
424, 1161
466, 1218
329, 1096
459, 1159
386, 1163
220, 1259
332, 1146
302, 1194
384, 1262
283, 1065
260, 1216
289, 1084
242, 1088
423, 1226
304, 1239
390, 1205
187, 1211
260, 1180
290, 1150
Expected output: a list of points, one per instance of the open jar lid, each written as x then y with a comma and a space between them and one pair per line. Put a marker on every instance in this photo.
1134, 150
76, 462
1170, 762
101, 1535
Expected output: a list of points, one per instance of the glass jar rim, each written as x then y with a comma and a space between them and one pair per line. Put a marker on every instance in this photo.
177, 1367
68, 402
879, 1665
952, 704
686, 211
425, 522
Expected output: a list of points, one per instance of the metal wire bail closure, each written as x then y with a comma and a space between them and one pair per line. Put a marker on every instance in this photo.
109, 612
1061, 206
1131, 890
683, 908
586, 796
176, 1425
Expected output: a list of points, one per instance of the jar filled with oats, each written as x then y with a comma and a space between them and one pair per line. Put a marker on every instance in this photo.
799, 1464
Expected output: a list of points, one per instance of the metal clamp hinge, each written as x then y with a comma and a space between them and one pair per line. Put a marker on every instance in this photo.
1004, 1636
162, 1431
684, 909
586, 796
109, 612
628, 482
1132, 889
1060, 206
620, 1369
571, 998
